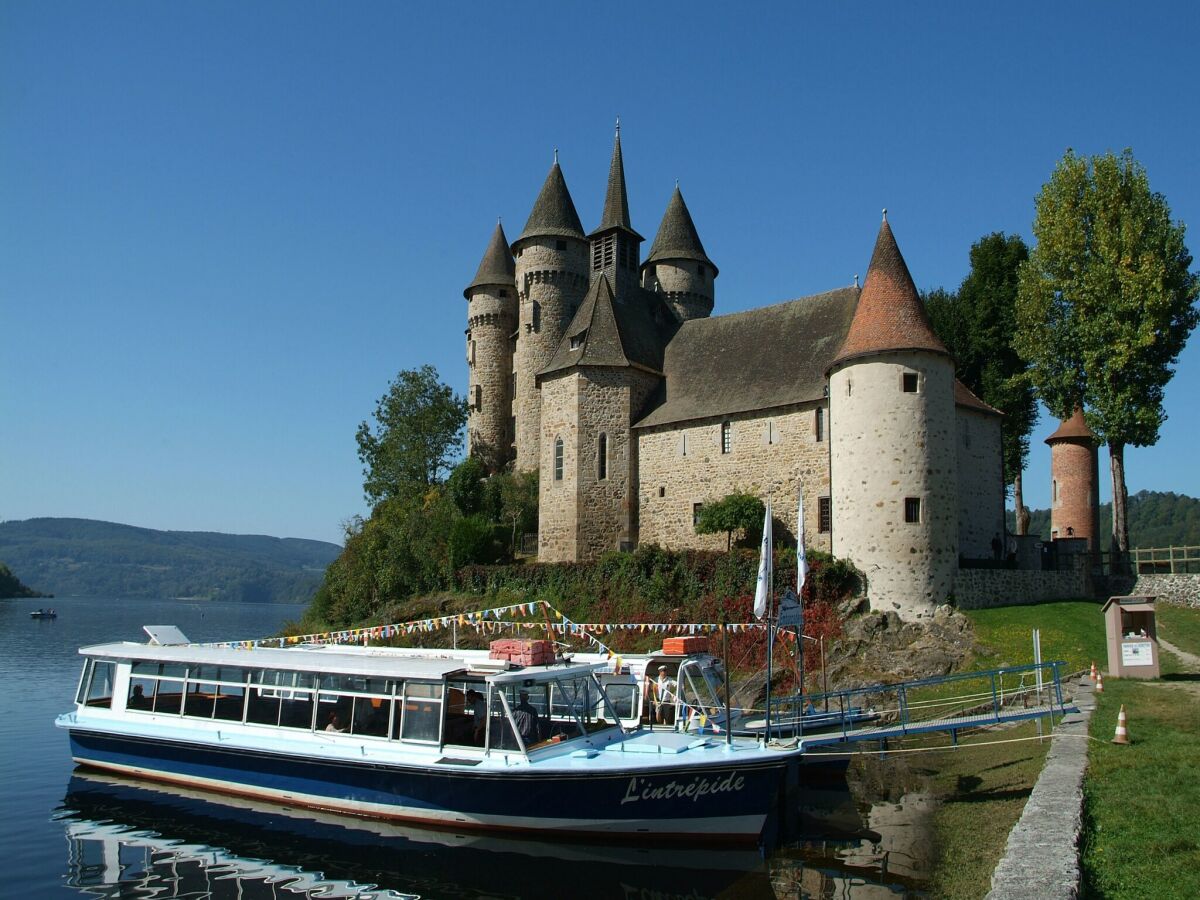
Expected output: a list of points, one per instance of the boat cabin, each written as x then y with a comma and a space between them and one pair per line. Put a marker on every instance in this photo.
447, 704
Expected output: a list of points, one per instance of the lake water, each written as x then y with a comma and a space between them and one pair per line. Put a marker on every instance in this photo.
67, 834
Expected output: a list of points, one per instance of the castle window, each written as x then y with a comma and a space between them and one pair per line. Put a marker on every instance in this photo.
819, 424
558, 459
503, 292
602, 456
1054, 490
909, 382
478, 398
912, 509
696, 507
537, 316
472, 360
560, 245
772, 435
700, 271
849, 387
824, 515
726, 438
512, 383
578, 339
662, 492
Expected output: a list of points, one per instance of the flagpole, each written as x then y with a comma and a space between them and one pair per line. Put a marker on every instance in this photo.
770, 624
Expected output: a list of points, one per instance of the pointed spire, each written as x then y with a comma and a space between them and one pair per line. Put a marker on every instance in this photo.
616, 200
677, 237
497, 265
890, 314
553, 211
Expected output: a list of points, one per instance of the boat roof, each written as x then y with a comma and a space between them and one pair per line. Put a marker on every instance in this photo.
324, 660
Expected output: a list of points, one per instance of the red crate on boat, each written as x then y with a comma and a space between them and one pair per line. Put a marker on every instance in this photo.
682, 646
522, 652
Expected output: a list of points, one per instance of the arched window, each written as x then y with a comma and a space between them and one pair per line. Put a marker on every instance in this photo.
558, 459
602, 456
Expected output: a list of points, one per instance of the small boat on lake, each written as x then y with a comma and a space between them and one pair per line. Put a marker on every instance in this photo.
43, 614
448, 739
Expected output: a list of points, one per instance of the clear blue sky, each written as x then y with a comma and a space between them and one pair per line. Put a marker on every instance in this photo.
225, 226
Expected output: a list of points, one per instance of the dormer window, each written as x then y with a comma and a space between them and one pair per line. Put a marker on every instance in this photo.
578, 339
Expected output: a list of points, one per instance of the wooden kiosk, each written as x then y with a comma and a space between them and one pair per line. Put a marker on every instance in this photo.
1132, 637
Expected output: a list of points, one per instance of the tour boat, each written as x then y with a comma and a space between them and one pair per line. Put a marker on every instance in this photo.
448, 738
43, 614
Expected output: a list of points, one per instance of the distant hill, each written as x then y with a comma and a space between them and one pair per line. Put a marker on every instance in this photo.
1156, 519
83, 557
11, 586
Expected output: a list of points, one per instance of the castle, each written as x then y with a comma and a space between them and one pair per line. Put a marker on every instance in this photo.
608, 374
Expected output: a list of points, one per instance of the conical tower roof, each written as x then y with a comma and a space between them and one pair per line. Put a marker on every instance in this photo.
616, 200
553, 212
677, 237
1073, 429
497, 266
890, 314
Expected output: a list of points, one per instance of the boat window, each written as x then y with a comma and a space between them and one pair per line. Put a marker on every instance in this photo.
466, 713
354, 704
198, 703
501, 735
280, 697
230, 704
84, 676
100, 685
155, 687
422, 712
623, 699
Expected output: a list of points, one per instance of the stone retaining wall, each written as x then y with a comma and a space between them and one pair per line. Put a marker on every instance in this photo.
1183, 590
985, 588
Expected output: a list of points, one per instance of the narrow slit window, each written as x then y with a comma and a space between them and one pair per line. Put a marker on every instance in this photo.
726, 438
819, 424
602, 457
696, 507
912, 509
824, 515
478, 398
558, 459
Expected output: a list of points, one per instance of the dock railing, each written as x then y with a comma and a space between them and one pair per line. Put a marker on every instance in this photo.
947, 703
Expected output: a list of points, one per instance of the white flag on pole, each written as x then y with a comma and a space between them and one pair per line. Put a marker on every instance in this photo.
763, 587
801, 557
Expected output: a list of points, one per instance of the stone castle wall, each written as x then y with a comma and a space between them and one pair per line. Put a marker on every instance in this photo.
987, 588
688, 291
980, 483
558, 501
888, 445
491, 320
551, 283
772, 454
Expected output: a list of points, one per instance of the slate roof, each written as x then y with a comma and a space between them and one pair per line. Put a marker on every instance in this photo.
611, 333
677, 237
553, 212
763, 358
1074, 428
964, 396
616, 200
497, 265
890, 315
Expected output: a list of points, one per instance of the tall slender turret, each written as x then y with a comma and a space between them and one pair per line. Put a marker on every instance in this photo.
1075, 482
677, 265
491, 319
893, 461
552, 278
616, 247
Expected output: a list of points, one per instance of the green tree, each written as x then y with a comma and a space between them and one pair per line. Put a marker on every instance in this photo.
1105, 305
418, 431
977, 326
467, 486
515, 502
733, 512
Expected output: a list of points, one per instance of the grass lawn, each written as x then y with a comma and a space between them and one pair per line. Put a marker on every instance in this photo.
1179, 625
1141, 828
1071, 630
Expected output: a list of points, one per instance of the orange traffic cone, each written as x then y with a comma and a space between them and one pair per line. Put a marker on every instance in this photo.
1122, 735
1093, 671
1099, 682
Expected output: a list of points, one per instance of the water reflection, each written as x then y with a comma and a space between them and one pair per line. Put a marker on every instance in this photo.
128, 838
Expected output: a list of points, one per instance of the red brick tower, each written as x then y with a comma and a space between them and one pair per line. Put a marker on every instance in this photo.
1075, 485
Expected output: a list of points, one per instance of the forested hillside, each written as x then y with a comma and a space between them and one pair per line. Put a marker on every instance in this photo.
1156, 519
11, 586
82, 557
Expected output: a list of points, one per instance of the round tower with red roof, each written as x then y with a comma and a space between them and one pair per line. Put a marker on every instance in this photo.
1075, 481
893, 462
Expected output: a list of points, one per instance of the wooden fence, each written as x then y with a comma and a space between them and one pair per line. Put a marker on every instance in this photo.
1165, 560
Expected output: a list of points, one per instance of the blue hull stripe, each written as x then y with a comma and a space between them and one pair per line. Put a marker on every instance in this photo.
729, 801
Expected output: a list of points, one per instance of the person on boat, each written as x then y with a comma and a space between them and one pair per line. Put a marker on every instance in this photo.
526, 717
664, 696
138, 700
478, 714
335, 723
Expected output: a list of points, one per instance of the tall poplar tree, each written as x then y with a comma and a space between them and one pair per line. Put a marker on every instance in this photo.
1105, 305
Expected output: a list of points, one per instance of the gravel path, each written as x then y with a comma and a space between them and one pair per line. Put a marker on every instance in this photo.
1190, 659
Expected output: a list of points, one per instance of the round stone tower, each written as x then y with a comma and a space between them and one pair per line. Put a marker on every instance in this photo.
1075, 481
551, 279
893, 468
678, 267
491, 321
